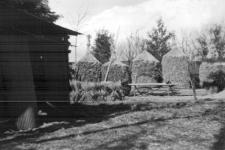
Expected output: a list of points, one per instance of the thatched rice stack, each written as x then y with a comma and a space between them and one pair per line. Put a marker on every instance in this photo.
88, 69
212, 74
176, 68
145, 68
118, 71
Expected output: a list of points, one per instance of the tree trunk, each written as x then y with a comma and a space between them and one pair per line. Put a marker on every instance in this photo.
107, 71
193, 87
193, 82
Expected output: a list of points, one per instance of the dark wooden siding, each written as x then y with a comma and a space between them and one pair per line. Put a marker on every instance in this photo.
49, 58
17, 86
32, 69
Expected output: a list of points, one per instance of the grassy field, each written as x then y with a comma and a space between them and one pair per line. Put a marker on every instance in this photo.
139, 123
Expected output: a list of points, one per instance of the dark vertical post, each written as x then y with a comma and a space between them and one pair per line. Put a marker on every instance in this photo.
192, 80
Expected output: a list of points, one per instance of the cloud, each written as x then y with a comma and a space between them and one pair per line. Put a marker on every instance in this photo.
180, 16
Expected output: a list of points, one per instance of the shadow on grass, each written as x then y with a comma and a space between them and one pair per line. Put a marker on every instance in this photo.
93, 131
125, 142
67, 116
157, 120
87, 114
220, 138
81, 114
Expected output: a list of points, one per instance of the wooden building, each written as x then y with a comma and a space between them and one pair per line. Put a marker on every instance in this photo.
34, 63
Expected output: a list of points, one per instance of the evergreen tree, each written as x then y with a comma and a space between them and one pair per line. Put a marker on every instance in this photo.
102, 46
38, 8
158, 40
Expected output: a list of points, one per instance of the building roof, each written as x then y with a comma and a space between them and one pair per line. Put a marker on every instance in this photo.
146, 56
20, 21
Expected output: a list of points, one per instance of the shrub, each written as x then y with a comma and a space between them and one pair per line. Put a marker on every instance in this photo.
212, 74
218, 78
94, 91
88, 69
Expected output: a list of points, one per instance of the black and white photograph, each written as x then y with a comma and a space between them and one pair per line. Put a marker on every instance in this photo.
112, 75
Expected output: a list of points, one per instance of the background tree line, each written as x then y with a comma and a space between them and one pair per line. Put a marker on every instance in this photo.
158, 43
38, 8
207, 45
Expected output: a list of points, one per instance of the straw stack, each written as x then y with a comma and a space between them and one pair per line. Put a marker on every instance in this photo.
88, 69
145, 68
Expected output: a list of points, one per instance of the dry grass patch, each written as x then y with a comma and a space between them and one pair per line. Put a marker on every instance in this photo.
191, 126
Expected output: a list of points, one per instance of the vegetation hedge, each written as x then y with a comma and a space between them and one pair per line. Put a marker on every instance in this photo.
88, 69
146, 68
212, 74
91, 92
118, 72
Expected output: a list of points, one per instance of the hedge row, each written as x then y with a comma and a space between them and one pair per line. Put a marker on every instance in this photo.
95, 91
212, 74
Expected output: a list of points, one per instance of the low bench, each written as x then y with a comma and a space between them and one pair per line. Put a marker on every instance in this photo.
150, 87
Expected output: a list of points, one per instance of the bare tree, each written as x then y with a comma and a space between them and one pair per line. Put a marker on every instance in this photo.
189, 48
211, 42
113, 44
81, 17
78, 21
133, 46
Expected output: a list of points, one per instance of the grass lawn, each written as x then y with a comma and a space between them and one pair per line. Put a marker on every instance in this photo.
139, 123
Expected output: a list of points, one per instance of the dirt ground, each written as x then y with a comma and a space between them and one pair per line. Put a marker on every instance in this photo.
138, 123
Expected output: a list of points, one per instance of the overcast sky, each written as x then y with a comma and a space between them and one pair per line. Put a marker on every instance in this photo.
127, 16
